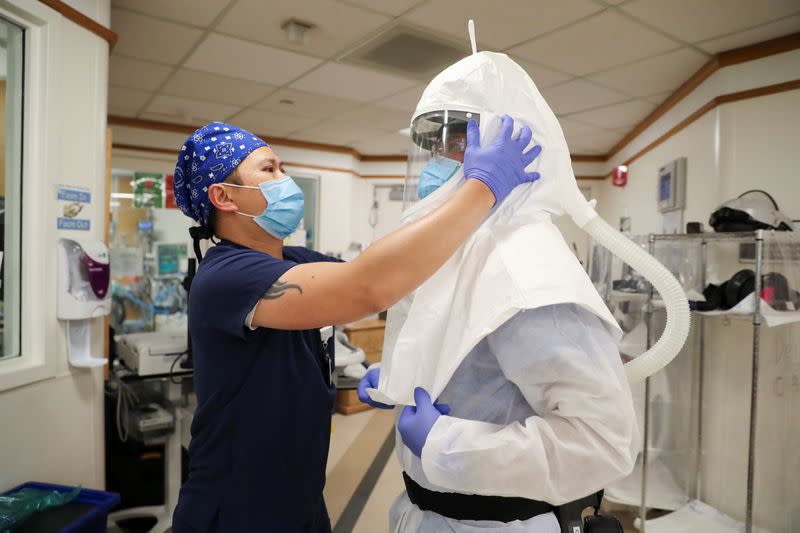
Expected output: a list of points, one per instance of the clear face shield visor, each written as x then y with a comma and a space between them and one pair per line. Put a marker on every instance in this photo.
438, 141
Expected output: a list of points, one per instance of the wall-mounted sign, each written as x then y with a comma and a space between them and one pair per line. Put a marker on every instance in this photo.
148, 190
72, 203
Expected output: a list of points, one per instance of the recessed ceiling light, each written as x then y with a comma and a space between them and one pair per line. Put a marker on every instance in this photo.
297, 31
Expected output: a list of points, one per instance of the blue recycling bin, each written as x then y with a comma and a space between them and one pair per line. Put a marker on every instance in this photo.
88, 513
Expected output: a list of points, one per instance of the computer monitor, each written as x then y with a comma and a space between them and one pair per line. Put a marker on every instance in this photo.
170, 258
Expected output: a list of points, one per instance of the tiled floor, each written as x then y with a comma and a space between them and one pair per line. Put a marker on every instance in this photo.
355, 443
360, 506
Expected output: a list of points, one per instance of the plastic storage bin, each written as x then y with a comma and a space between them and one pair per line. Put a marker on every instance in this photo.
88, 513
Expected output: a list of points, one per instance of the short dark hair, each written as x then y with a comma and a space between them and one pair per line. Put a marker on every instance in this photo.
211, 223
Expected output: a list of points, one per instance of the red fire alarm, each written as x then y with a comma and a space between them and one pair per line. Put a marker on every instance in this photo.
619, 176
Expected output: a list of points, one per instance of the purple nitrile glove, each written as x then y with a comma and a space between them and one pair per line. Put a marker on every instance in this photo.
370, 381
415, 422
500, 165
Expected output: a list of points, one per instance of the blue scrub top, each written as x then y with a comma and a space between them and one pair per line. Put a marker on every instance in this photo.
261, 431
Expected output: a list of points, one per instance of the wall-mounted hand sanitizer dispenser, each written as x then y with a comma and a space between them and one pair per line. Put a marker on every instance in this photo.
84, 278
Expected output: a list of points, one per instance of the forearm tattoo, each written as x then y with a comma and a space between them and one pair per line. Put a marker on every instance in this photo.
279, 288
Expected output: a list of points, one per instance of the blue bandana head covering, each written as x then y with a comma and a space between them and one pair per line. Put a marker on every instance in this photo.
208, 156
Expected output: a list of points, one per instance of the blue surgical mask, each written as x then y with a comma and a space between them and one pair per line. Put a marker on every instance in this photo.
435, 174
284, 206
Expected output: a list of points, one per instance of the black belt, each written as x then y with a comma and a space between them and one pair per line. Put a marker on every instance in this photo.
508, 509
474, 506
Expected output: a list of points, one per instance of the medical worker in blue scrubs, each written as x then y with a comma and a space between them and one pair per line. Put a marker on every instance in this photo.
262, 372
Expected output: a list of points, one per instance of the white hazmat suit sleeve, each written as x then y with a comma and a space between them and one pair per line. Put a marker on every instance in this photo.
583, 436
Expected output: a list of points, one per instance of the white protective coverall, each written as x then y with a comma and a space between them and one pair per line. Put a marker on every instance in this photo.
511, 333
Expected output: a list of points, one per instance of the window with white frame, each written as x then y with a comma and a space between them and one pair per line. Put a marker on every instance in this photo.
11, 89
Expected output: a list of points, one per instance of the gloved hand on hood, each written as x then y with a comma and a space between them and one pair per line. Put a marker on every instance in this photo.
415, 422
501, 164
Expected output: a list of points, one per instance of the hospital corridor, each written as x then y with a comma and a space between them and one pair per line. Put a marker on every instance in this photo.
399, 266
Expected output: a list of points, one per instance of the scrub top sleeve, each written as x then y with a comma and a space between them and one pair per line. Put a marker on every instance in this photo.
240, 283
584, 435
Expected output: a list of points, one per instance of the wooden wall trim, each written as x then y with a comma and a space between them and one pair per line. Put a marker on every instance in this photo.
581, 158
723, 59
321, 167
292, 143
140, 148
714, 103
710, 105
397, 158
156, 125
760, 50
82, 20
186, 129
680, 93
117, 120
174, 153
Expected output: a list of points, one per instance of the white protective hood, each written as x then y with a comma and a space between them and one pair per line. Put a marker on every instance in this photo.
516, 260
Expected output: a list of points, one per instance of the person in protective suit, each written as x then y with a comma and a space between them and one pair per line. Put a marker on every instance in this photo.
506, 361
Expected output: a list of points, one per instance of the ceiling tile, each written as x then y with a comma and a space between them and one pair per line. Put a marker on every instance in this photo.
336, 132
658, 98
388, 144
122, 112
164, 117
193, 111
184, 11
227, 56
270, 124
499, 28
214, 88
653, 75
155, 40
596, 143
543, 76
305, 104
585, 147
405, 100
136, 74
577, 95
373, 117
336, 25
390, 7
572, 128
596, 44
126, 102
326, 135
759, 34
617, 116
353, 83
697, 20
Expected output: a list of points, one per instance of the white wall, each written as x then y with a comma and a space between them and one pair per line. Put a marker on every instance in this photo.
346, 194
760, 148
737, 146
638, 197
53, 428
338, 188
